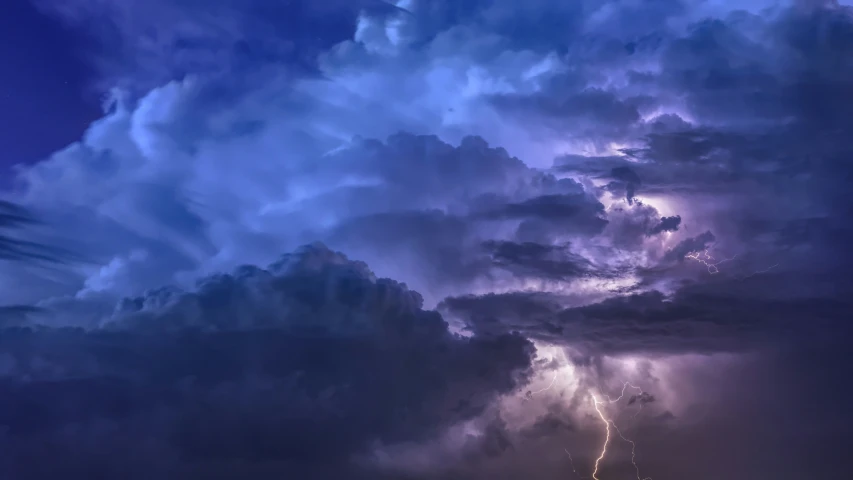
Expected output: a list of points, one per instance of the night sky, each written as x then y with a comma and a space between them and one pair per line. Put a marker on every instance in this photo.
48, 96
426, 239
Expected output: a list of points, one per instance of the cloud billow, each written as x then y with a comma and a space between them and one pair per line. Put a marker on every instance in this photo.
313, 359
541, 167
667, 224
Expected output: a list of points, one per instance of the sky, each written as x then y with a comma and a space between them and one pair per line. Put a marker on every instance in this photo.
47, 100
426, 239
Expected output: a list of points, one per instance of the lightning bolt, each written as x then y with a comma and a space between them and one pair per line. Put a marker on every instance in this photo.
548, 387
642, 399
607, 426
572, 461
708, 260
633, 452
608, 423
606, 439
771, 267
529, 395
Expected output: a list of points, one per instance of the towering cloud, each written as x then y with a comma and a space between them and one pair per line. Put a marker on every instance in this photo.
304, 363
542, 172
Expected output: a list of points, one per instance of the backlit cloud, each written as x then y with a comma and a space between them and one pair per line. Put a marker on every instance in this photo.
543, 173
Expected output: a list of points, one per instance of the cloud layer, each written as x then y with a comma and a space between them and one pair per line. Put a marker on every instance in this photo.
305, 364
656, 190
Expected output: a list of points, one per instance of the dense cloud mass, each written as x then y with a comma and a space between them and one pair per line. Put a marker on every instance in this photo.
305, 364
589, 192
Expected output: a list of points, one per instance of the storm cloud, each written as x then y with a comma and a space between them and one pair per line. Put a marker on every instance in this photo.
305, 363
588, 192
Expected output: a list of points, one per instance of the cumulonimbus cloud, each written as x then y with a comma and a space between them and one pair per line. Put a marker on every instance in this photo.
543, 167
315, 330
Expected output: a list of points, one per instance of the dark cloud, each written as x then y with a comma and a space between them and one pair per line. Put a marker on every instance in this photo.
669, 116
548, 215
687, 146
696, 319
642, 398
552, 207
537, 260
509, 311
551, 424
693, 244
304, 363
630, 226
625, 174
667, 224
631, 181
15, 315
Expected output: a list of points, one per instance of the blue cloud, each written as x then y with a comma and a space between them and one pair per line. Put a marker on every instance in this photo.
313, 358
514, 159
